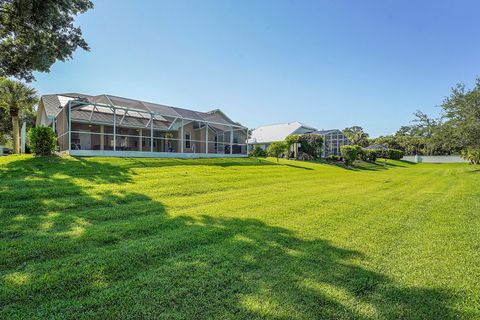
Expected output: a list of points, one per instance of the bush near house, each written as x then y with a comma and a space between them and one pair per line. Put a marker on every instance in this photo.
333, 157
368, 155
276, 149
291, 139
393, 154
311, 144
257, 152
42, 141
349, 154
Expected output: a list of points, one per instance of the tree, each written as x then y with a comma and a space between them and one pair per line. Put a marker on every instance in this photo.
26, 115
275, 149
472, 155
36, 33
349, 154
356, 136
311, 144
462, 114
290, 140
16, 98
427, 128
258, 152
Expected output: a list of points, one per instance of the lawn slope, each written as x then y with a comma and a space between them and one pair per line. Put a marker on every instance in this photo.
237, 238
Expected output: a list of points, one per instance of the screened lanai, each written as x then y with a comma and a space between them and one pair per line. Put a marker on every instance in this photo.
109, 125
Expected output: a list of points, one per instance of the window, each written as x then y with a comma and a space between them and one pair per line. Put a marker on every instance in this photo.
187, 140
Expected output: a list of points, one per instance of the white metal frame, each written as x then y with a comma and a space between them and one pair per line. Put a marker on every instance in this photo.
126, 110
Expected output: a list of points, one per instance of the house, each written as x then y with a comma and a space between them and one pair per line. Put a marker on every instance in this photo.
263, 136
333, 139
107, 125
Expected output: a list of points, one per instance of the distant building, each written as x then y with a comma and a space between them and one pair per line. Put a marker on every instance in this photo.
263, 136
333, 139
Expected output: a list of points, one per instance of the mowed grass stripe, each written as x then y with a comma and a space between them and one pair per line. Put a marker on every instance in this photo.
237, 238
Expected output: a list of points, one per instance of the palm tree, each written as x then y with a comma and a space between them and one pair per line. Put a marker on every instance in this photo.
356, 136
16, 97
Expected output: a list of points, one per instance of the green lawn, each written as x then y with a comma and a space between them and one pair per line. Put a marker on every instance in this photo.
239, 238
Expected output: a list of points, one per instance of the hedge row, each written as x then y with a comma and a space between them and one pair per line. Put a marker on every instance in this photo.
393, 154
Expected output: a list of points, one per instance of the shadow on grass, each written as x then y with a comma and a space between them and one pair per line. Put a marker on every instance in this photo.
359, 165
296, 166
167, 162
66, 252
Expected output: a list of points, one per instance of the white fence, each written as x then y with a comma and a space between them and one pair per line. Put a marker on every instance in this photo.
434, 159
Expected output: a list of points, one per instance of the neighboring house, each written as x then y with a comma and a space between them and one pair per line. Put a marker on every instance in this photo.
115, 126
333, 139
263, 136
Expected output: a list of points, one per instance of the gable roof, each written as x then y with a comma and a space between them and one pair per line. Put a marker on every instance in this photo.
278, 132
54, 103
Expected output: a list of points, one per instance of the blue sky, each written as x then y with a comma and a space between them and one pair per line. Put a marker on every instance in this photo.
330, 64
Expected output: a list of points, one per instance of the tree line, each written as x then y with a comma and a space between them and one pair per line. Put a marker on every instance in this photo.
455, 131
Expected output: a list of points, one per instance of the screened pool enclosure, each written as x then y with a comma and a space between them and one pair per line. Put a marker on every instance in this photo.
109, 125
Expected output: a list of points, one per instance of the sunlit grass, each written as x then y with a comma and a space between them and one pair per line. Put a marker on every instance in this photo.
237, 238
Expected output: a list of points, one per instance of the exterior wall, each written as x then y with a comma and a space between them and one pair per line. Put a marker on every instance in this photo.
194, 145
42, 118
201, 134
264, 146
95, 133
435, 159
140, 154
99, 137
61, 129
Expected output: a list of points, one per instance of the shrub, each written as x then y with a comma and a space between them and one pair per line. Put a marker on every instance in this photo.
359, 150
349, 154
258, 152
311, 144
393, 154
304, 156
291, 139
276, 149
368, 155
333, 157
42, 141
472, 155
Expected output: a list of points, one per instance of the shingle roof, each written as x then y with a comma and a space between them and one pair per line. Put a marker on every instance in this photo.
55, 102
101, 117
52, 105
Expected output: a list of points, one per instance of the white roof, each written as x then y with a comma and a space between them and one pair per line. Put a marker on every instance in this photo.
278, 132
